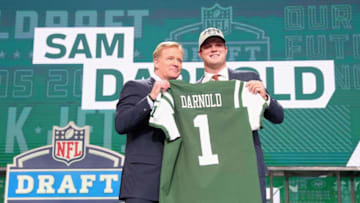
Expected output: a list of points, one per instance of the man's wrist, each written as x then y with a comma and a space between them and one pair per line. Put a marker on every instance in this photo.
151, 98
268, 99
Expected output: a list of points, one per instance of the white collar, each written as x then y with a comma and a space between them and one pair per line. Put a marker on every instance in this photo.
223, 75
156, 77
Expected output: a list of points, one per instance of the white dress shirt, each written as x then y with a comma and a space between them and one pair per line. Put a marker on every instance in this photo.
223, 75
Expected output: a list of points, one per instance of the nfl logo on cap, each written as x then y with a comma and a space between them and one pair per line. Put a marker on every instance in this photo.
210, 32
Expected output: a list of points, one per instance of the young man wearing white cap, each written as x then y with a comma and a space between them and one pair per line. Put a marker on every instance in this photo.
213, 51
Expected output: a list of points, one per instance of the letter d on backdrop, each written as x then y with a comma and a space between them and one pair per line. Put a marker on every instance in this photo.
303, 76
108, 84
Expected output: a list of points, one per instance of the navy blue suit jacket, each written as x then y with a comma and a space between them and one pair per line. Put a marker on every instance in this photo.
144, 144
274, 113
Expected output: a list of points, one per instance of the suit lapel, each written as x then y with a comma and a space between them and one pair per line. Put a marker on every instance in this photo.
231, 74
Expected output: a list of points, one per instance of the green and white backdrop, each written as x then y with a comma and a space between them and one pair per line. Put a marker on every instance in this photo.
64, 61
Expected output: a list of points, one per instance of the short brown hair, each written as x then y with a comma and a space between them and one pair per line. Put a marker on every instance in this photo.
166, 44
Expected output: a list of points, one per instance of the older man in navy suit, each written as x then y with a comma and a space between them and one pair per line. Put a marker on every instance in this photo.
212, 50
144, 144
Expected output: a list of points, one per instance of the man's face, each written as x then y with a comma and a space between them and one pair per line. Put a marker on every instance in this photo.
168, 64
213, 52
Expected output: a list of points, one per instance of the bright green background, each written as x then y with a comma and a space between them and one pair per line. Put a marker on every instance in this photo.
307, 137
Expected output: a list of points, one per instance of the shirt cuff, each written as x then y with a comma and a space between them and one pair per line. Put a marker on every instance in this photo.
268, 100
150, 102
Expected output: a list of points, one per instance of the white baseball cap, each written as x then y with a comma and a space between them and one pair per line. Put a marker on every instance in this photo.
210, 32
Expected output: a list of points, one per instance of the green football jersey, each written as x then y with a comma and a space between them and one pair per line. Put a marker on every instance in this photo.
209, 155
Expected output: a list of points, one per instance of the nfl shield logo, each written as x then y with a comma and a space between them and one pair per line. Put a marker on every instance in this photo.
69, 143
218, 17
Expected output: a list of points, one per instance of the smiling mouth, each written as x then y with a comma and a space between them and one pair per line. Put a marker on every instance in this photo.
214, 55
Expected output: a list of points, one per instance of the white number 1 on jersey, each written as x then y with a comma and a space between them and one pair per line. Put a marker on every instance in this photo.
207, 157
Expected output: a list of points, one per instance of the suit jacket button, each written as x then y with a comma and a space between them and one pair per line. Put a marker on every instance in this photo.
145, 109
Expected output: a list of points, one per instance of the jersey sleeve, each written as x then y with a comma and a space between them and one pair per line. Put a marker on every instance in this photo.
162, 116
255, 105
